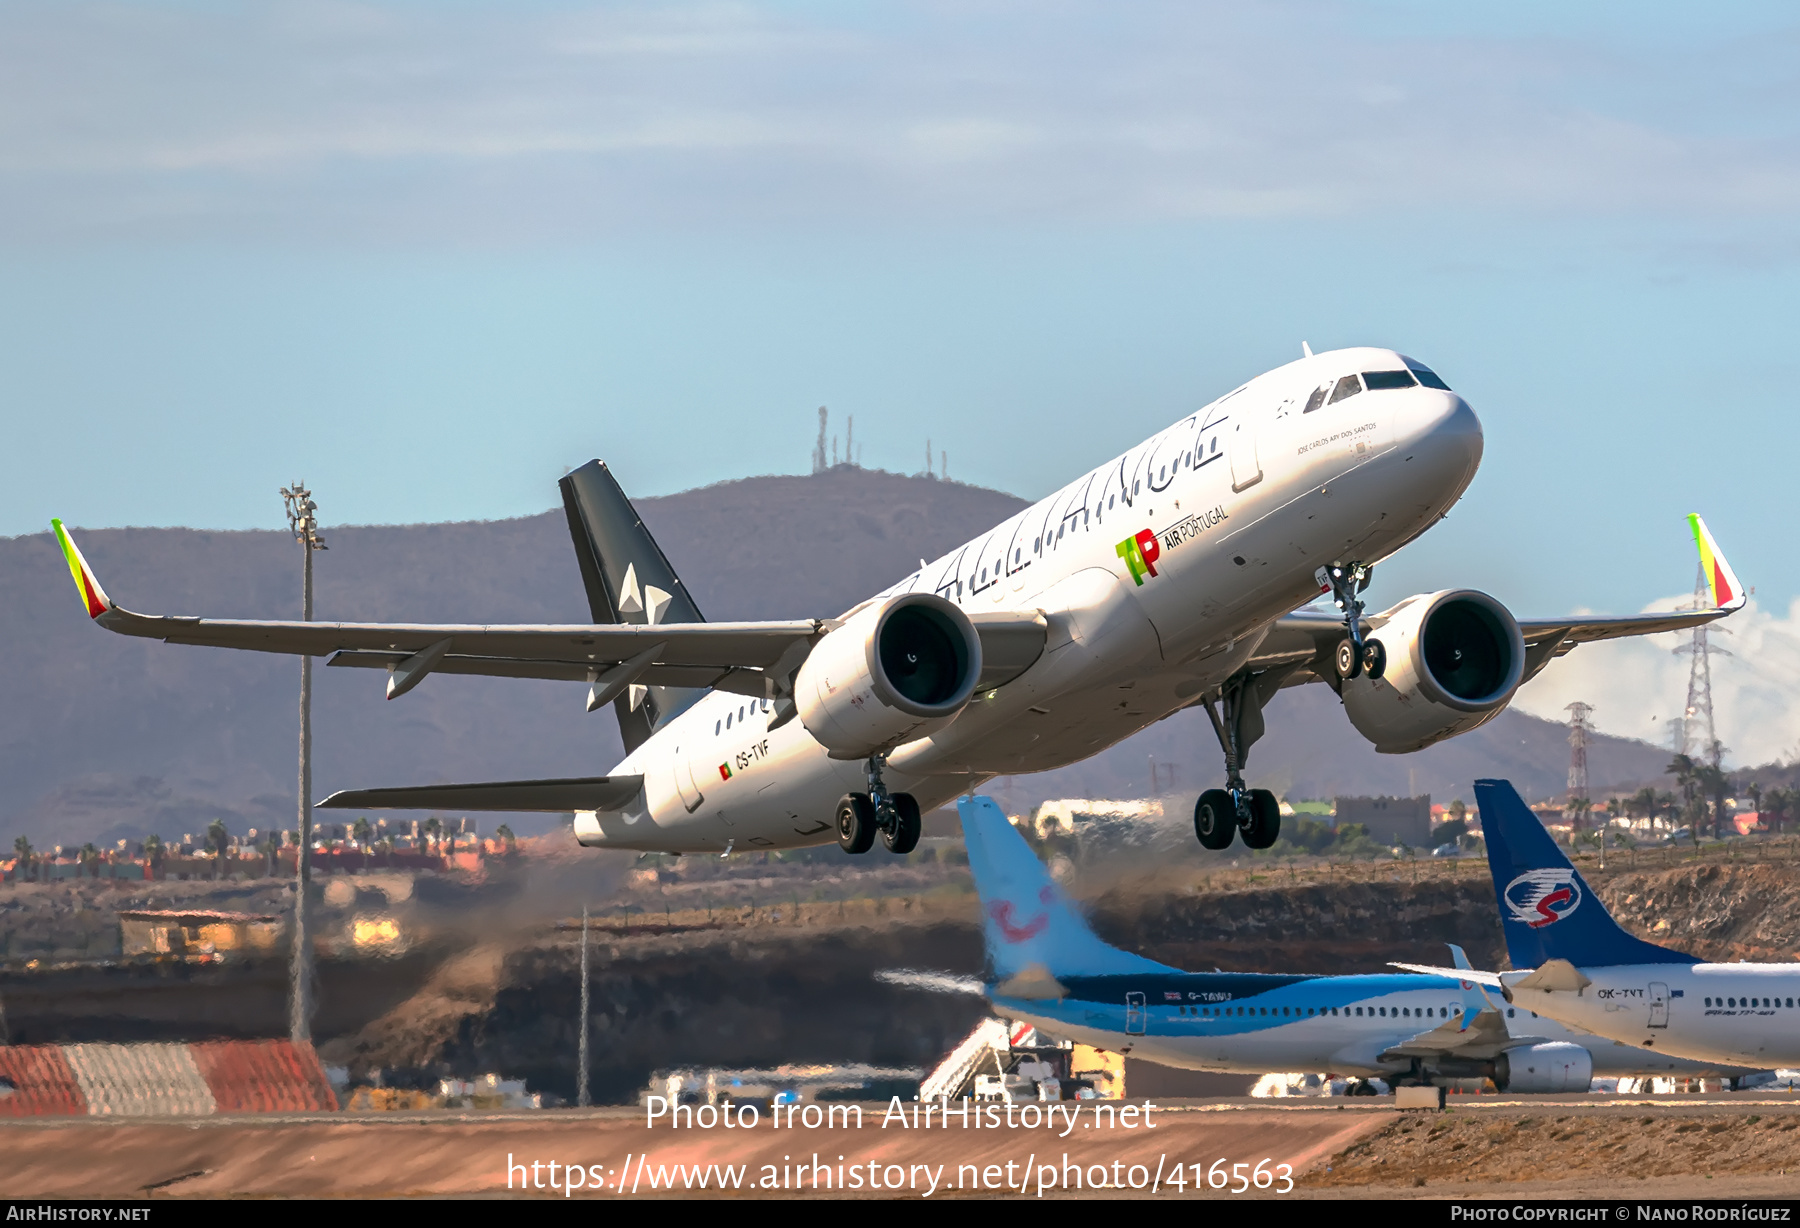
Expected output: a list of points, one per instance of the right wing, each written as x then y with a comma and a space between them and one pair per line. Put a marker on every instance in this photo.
581, 793
749, 658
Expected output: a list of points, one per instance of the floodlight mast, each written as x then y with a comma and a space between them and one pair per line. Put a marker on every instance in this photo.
303, 522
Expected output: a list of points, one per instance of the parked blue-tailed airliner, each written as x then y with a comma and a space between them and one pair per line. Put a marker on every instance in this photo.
1048, 967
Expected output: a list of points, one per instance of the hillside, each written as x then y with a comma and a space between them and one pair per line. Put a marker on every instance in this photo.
103, 737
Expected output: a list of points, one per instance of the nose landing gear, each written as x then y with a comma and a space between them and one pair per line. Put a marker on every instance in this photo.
894, 817
1356, 655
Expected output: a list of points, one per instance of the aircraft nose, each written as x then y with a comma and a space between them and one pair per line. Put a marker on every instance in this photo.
1441, 429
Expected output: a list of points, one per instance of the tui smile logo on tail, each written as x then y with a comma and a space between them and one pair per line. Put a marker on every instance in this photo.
1002, 913
1542, 897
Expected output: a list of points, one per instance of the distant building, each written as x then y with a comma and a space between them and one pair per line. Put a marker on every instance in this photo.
1062, 816
1390, 820
144, 932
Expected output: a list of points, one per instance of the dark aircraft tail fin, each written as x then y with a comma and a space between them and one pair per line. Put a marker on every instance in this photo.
1547, 910
628, 580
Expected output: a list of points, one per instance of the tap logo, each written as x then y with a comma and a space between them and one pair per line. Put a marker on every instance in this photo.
1543, 897
1140, 554
1002, 913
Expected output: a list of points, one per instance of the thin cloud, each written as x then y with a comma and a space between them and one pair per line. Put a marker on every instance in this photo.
355, 120
1637, 686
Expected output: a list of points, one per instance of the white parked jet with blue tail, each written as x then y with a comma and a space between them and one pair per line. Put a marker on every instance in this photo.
1171, 576
1049, 968
1574, 963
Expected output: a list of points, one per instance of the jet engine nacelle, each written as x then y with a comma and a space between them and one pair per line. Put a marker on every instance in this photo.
896, 670
1453, 660
1554, 1067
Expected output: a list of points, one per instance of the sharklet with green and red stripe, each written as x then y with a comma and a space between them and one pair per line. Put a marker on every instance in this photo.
93, 597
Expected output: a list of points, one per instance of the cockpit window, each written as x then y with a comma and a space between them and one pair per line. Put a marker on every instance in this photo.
1428, 377
1346, 387
1375, 381
1316, 399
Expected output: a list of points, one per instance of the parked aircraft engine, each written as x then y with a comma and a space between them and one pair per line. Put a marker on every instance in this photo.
1554, 1067
895, 671
1449, 661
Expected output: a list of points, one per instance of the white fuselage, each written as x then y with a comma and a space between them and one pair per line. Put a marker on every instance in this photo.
1245, 500
1743, 1014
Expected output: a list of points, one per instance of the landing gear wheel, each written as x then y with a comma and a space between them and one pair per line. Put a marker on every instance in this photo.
902, 835
856, 823
1263, 827
1349, 663
1374, 660
1215, 819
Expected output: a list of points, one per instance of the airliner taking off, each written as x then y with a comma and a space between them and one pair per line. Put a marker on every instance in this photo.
1050, 968
1574, 963
1169, 577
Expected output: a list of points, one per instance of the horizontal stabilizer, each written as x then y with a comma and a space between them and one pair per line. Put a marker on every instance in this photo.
576, 793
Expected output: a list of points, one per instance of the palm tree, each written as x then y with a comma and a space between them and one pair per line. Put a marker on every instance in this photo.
217, 838
1577, 810
1715, 784
1645, 801
1756, 798
27, 859
1686, 771
432, 828
153, 853
90, 860
1777, 802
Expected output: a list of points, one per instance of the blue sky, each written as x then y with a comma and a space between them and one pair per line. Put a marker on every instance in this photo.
428, 256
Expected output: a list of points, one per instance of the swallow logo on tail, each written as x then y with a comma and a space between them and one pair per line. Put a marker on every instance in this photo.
1543, 897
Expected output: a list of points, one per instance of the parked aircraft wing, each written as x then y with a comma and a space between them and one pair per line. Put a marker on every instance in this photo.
576, 793
1485, 1037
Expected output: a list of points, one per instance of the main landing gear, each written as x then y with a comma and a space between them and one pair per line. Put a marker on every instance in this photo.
894, 817
1222, 813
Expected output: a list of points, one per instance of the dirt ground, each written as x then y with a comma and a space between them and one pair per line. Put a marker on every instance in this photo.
1738, 1146
445, 1156
1743, 1144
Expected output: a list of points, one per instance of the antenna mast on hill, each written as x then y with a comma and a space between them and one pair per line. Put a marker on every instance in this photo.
1578, 767
1699, 738
819, 450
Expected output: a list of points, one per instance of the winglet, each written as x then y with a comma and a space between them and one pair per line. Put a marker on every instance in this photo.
1727, 593
92, 595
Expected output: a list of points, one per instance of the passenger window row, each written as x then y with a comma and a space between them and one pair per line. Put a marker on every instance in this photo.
1771, 1003
1396, 1012
752, 707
